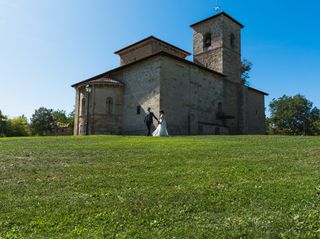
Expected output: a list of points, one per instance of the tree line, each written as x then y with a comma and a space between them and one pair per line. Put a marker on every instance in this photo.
44, 122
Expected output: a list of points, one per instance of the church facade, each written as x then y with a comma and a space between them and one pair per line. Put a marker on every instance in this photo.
200, 97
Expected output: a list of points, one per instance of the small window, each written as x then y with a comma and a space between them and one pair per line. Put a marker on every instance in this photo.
138, 110
232, 40
207, 40
256, 112
220, 107
109, 105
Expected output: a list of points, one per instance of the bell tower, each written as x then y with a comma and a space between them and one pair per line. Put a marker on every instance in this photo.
217, 45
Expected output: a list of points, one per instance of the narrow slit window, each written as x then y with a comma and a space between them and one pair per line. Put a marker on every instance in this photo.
220, 107
232, 40
138, 110
109, 105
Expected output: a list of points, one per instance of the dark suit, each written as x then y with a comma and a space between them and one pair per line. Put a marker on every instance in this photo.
148, 120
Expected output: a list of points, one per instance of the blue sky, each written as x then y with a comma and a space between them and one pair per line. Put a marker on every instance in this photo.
47, 45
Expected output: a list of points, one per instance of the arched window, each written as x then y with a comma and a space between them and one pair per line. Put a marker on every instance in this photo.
232, 40
109, 105
207, 40
83, 106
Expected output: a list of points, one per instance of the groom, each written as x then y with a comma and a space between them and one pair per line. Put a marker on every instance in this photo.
148, 120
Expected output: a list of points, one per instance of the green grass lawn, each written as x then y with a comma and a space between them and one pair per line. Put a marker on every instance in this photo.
177, 187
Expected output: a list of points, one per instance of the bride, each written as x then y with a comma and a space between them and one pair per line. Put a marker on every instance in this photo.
162, 127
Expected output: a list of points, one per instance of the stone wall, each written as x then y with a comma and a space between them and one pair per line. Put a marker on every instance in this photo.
255, 112
136, 53
190, 96
175, 96
142, 89
121, 116
105, 110
231, 105
146, 49
193, 98
196, 100
224, 56
224, 53
159, 46
231, 50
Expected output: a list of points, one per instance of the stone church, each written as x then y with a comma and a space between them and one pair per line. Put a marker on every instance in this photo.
200, 97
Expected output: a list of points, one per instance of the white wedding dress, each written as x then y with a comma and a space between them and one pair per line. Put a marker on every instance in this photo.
161, 130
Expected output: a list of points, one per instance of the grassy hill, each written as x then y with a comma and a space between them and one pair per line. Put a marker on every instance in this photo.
179, 187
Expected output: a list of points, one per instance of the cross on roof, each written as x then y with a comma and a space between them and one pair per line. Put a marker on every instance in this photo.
217, 7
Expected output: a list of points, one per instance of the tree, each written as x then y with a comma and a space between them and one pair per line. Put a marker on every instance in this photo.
293, 115
59, 116
17, 127
246, 67
42, 122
